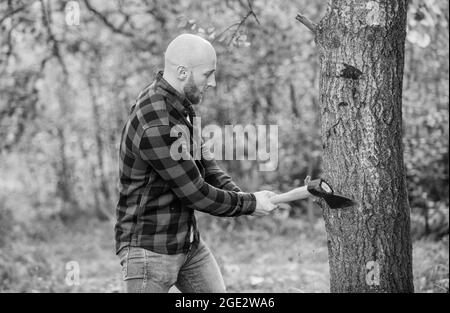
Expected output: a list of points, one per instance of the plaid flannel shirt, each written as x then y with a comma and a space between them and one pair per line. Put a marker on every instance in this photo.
158, 195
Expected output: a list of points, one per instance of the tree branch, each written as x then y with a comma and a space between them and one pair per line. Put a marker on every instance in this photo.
239, 26
56, 51
4, 63
250, 12
307, 22
225, 30
105, 21
12, 12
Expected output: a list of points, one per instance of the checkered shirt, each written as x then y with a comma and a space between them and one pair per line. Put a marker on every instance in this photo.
158, 194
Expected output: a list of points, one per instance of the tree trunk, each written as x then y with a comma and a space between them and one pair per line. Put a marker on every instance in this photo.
64, 167
100, 173
361, 46
101, 212
70, 207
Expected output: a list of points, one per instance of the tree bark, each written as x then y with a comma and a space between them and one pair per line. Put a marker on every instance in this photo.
361, 45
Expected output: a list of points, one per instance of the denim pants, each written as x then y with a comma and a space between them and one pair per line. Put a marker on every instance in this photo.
147, 271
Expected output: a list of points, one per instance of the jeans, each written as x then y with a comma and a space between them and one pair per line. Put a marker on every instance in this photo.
194, 272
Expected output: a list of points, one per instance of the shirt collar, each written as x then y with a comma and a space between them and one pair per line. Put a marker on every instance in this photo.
177, 100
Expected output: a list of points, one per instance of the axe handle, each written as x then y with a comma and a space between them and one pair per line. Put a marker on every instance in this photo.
295, 194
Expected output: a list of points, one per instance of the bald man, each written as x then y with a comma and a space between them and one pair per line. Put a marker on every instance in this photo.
157, 239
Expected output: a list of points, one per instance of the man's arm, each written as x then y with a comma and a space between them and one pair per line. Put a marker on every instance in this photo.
217, 177
185, 180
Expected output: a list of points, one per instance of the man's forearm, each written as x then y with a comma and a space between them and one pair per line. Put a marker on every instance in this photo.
218, 178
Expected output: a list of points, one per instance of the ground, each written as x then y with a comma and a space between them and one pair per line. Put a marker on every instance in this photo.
255, 255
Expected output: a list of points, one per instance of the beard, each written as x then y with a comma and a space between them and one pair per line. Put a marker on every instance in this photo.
191, 91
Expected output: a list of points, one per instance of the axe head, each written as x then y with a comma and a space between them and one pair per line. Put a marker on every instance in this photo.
320, 188
335, 201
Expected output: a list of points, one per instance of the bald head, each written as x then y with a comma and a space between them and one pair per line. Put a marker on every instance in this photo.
189, 50
190, 63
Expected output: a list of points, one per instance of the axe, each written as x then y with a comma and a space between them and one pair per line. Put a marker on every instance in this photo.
319, 188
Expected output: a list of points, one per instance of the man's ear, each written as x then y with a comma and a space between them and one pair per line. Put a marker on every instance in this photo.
182, 73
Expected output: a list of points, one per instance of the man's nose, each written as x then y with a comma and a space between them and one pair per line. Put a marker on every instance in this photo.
212, 81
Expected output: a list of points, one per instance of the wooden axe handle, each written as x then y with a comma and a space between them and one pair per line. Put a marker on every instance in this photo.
295, 194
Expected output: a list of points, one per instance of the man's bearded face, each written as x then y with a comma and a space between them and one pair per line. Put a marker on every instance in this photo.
191, 91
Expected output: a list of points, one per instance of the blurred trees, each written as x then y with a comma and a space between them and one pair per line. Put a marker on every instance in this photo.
426, 103
65, 92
